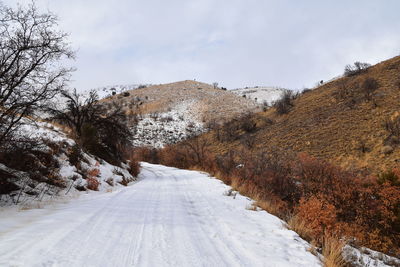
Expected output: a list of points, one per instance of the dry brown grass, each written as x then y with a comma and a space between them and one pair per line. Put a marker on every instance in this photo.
332, 252
269, 206
300, 227
272, 206
203, 101
330, 127
331, 246
154, 107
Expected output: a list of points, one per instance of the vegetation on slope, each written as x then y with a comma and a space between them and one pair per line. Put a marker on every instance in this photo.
205, 103
31, 77
323, 164
353, 122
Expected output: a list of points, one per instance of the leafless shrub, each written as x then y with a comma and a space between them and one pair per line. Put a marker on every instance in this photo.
148, 154
228, 132
134, 167
343, 91
247, 123
285, 103
26, 163
75, 155
368, 87
248, 141
357, 68
198, 147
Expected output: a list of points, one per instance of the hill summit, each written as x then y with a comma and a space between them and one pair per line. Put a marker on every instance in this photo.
168, 113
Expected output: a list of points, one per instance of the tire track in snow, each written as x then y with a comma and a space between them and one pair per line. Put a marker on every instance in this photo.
170, 217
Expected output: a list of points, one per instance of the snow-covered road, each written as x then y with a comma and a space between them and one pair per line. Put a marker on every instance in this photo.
170, 217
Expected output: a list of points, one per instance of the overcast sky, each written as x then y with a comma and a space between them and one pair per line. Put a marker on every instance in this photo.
237, 43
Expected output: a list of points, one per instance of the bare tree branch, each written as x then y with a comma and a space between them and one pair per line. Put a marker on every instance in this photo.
31, 48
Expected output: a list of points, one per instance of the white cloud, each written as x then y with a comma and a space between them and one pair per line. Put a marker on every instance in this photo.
237, 43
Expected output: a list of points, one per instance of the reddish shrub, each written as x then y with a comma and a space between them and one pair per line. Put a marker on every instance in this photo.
93, 173
92, 183
147, 154
133, 163
319, 216
327, 199
91, 179
134, 167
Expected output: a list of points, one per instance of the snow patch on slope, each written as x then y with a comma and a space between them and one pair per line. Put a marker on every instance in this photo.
360, 257
107, 91
33, 192
43, 131
157, 130
260, 94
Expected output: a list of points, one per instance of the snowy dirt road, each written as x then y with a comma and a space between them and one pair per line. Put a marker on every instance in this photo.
170, 217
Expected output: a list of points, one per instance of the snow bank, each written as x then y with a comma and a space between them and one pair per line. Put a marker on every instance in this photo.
64, 179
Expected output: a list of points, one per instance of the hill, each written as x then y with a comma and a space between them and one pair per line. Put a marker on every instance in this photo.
340, 121
168, 113
325, 160
202, 101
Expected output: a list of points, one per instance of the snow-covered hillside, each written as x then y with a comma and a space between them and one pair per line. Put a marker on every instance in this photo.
260, 94
170, 127
169, 113
170, 217
54, 152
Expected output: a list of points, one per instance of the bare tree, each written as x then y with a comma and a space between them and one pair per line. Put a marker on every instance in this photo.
31, 49
100, 129
198, 147
78, 110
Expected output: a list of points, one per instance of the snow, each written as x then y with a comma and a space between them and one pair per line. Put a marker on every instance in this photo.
260, 94
157, 130
359, 257
107, 91
42, 130
170, 217
35, 193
